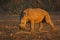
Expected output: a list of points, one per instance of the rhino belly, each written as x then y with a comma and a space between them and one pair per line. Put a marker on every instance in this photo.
40, 19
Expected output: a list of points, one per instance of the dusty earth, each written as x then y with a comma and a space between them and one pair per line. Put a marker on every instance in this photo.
9, 29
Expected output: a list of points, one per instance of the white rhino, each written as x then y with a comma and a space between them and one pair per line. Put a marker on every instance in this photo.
36, 15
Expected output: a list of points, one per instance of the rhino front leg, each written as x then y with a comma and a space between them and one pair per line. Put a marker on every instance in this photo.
32, 26
41, 27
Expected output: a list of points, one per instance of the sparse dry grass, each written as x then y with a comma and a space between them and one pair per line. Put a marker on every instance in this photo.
13, 33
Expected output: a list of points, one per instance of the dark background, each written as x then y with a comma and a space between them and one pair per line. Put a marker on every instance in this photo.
17, 6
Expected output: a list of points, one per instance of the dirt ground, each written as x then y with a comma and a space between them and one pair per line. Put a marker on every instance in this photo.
9, 30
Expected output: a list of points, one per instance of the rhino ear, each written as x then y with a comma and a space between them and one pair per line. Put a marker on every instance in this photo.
24, 11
